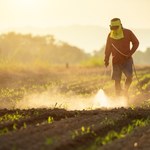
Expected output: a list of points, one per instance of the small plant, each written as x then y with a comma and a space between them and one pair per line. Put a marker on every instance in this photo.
24, 125
50, 119
110, 136
36, 113
107, 121
124, 131
4, 131
14, 126
82, 131
132, 107
11, 117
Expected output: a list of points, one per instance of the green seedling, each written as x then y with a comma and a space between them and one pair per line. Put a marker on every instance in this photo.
82, 131
14, 126
4, 131
110, 136
108, 121
50, 119
24, 125
48, 141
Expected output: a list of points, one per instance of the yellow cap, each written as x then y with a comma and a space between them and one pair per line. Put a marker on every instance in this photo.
115, 23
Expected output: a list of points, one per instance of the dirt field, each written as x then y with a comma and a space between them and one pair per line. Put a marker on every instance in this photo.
32, 116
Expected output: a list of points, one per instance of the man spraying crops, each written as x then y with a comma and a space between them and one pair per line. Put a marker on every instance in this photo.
118, 44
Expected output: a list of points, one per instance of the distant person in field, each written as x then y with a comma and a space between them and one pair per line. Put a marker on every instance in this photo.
121, 43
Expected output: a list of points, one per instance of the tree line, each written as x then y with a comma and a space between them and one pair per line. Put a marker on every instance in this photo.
28, 48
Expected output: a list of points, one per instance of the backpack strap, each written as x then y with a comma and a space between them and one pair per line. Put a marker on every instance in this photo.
118, 50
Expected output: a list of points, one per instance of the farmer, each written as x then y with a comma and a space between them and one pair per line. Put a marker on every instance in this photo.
118, 44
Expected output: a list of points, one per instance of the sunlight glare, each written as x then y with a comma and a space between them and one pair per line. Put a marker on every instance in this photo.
101, 100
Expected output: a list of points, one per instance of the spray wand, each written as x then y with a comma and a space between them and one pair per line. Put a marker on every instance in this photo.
104, 79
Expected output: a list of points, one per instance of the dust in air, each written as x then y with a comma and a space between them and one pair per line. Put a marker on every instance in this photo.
70, 102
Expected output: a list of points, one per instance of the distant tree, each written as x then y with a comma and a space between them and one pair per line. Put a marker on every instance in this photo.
27, 48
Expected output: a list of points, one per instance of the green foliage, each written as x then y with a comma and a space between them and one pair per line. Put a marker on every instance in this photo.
50, 119
28, 49
14, 126
93, 62
11, 117
132, 107
117, 135
82, 131
142, 58
24, 125
107, 121
4, 131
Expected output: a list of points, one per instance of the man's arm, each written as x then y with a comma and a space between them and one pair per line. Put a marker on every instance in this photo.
107, 51
135, 43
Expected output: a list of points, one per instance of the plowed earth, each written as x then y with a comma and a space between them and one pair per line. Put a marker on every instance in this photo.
61, 129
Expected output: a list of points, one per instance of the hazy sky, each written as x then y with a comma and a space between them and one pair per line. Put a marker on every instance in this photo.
34, 16
45, 13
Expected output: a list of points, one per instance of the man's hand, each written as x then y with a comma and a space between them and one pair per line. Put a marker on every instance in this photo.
106, 64
129, 55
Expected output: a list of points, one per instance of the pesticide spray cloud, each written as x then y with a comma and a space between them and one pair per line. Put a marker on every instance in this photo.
102, 100
54, 99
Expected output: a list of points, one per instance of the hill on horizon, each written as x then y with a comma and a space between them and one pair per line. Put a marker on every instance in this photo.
86, 37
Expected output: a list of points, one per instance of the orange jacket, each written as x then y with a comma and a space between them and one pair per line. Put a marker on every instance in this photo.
123, 45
